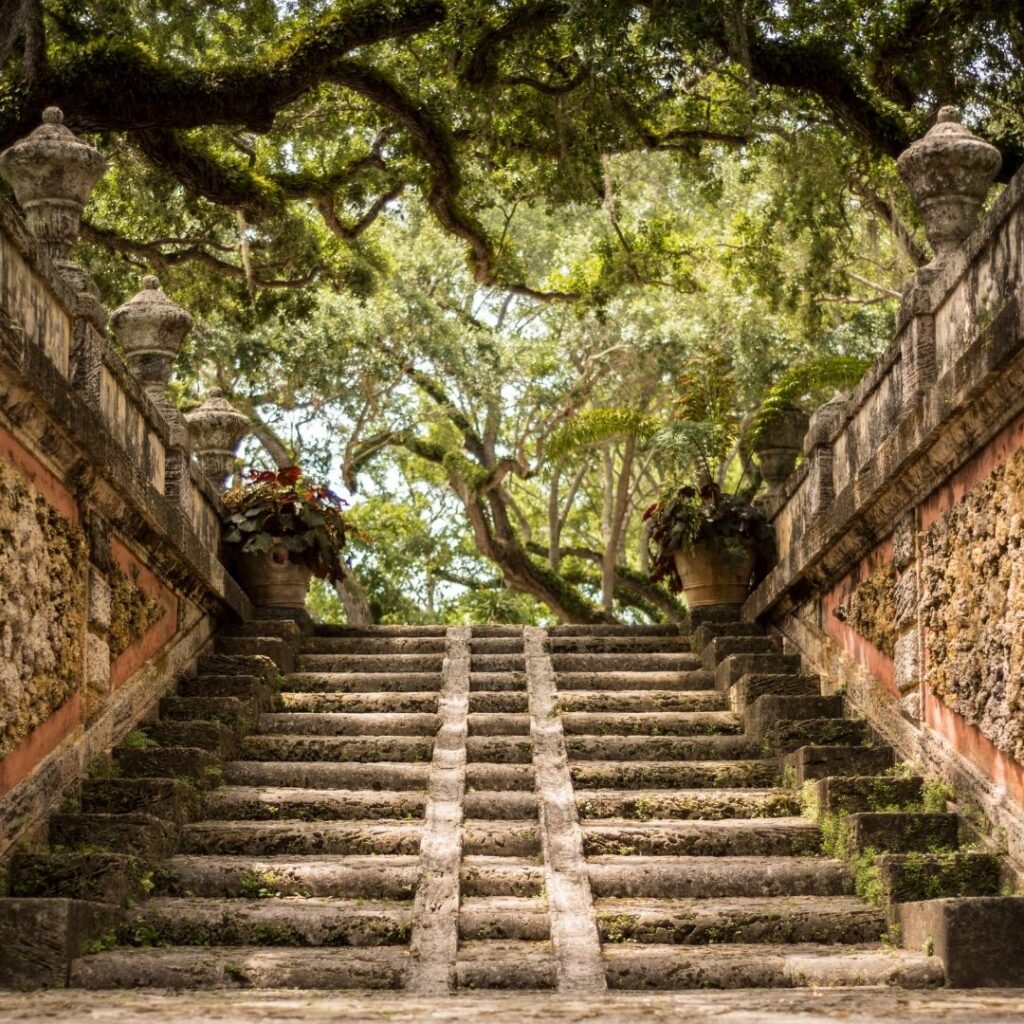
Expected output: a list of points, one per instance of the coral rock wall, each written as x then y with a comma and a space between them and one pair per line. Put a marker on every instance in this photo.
972, 607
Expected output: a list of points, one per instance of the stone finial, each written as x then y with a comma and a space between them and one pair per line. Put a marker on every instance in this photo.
778, 449
52, 173
949, 173
215, 430
151, 328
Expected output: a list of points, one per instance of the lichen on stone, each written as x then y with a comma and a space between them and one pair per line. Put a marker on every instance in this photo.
43, 567
132, 611
871, 609
972, 606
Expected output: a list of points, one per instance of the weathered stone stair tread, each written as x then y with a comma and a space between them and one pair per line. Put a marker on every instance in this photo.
505, 964
373, 645
275, 921
366, 775
643, 662
838, 919
633, 701
500, 724
379, 876
674, 774
691, 679
717, 877
498, 702
361, 682
500, 804
497, 682
315, 837
703, 804
660, 748
508, 749
482, 775
185, 967
501, 876
384, 664
359, 703
500, 838
294, 747
503, 917
497, 662
329, 629
658, 966
270, 802
651, 723
615, 629
624, 644
341, 724
766, 836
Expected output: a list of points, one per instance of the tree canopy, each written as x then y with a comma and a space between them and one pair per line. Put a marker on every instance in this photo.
454, 255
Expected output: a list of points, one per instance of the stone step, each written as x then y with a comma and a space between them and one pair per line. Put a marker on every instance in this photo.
725, 966
500, 749
650, 723
370, 663
237, 714
634, 701
284, 629
497, 682
235, 803
691, 679
505, 964
337, 748
358, 703
643, 662
374, 645
501, 724
765, 714
616, 629
330, 629
271, 921
244, 687
215, 737
903, 831
361, 682
719, 876
500, 805
497, 662
376, 877
660, 748
907, 877
102, 877
501, 876
498, 702
623, 644
144, 835
503, 917
730, 836
301, 837
481, 775
487, 838
496, 645
749, 687
280, 652
747, 919
315, 775
242, 967
718, 648
783, 736
735, 666
478, 632
707, 631
674, 774
192, 764
819, 762
171, 799
212, 664
847, 794
692, 804
341, 724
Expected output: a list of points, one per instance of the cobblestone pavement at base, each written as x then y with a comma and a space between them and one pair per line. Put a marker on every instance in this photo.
779, 1006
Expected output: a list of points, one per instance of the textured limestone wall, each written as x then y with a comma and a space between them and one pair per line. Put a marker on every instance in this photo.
132, 611
43, 563
871, 609
972, 606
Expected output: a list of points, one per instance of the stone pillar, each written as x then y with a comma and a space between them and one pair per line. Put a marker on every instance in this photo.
216, 429
825, 423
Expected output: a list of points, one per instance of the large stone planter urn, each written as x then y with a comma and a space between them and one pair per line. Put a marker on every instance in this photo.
949, 173
777, 449
717, 573
271, 579
215, 430
52, 173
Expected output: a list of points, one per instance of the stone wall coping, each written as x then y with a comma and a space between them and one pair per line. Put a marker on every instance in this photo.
14, 227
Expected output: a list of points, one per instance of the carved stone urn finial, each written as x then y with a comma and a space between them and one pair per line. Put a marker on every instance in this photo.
949, 173
52, 173
151, 329
215, 429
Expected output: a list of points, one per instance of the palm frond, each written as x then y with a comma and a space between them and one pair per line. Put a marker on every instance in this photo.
594, 427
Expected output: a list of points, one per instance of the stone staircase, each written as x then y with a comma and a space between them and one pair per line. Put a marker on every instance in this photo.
633, 815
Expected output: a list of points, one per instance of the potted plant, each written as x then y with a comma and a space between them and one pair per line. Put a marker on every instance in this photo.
281, 529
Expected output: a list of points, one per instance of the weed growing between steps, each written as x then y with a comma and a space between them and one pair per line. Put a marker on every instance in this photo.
138, 740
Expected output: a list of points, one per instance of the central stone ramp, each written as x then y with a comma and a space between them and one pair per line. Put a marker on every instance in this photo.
432, 809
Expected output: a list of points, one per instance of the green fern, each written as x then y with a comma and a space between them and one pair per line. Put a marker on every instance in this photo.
811, 379
596, 427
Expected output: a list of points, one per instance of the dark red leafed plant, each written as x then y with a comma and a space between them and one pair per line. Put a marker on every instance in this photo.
289, 509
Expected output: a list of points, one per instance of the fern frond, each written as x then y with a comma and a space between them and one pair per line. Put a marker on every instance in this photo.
686, 444
596, 427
